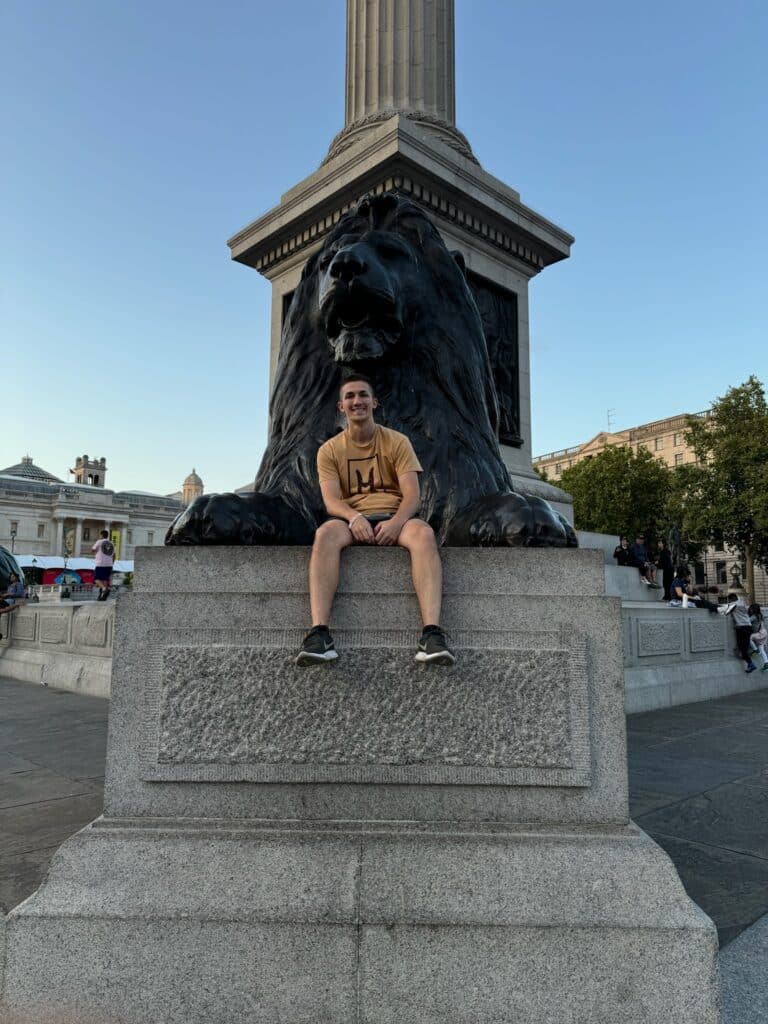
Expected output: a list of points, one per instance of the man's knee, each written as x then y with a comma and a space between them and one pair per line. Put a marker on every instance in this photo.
418, 534
333, 534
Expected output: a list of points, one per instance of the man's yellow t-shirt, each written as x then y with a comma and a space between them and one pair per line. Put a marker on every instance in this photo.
368, 473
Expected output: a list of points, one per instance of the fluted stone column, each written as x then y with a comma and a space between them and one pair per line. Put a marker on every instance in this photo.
400, 57
59, 543
78, 536
400, 62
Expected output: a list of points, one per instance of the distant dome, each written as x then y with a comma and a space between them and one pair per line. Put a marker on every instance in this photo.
27, 469
191, 489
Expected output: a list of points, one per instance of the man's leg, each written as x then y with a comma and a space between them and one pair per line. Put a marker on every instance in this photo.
418, 538
427, 571
330, 540
743, 634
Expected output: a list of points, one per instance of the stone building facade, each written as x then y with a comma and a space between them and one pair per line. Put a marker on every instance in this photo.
665, 439
41, 514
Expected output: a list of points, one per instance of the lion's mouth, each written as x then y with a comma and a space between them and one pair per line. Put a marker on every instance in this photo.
360, 324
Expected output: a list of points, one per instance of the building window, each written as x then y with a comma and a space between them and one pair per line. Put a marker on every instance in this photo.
679, 439
150, 537
698, 574
558, 468
86, 533
40, 530
14, 526
679, 458
658, 444
129, 537
722, 575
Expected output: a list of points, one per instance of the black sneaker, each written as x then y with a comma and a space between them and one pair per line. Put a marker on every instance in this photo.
316, 646
433, 648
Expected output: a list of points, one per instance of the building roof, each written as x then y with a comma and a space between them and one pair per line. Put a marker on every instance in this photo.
27, 470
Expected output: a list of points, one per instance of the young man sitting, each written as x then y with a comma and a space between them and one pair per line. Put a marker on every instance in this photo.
369, 479
680, 586
638, 557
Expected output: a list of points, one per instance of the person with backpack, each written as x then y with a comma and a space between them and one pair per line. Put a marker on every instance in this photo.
104, 551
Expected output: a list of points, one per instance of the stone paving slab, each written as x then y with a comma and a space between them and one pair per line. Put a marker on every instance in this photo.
52, 752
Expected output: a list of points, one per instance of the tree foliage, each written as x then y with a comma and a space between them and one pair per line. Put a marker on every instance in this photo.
726, 492
621, 492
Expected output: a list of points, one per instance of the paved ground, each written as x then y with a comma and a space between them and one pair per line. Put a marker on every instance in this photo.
698, 780
52, 750
698, 777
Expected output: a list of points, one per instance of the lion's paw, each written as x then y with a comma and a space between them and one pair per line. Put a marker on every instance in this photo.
230, 519
511, 520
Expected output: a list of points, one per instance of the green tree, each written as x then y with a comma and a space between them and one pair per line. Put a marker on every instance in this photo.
726, 498
620, 491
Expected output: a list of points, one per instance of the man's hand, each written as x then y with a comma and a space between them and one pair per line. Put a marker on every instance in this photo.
388, 531
362, 531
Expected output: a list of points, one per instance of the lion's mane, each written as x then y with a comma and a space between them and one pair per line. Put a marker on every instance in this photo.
435, 384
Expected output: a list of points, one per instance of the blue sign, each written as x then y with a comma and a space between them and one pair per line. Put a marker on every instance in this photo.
69, 577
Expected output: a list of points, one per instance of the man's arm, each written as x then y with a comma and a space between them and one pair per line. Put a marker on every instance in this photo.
336, 506
388, 531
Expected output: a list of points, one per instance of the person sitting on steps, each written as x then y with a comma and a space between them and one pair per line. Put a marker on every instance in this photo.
9, 601
681, 587
369, 480
638, 557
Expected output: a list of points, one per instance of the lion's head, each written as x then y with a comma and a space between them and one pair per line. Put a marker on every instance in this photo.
384, 295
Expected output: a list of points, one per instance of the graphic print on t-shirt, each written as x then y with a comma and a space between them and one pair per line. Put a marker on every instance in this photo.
363, 475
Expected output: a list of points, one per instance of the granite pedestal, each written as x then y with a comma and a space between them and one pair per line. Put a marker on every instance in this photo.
370, 840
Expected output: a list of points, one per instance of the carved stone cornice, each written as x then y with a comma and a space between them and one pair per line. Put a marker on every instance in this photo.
308, 236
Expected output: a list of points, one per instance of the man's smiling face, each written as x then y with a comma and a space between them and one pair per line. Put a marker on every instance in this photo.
357, 402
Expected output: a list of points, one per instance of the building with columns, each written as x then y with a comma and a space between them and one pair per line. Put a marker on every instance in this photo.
40, 514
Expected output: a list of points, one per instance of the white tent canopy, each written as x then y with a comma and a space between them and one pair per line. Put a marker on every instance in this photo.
58, 562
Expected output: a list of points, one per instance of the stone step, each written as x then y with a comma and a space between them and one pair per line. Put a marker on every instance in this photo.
283, 570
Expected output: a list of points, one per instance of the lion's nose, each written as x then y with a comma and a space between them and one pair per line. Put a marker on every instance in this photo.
347, 265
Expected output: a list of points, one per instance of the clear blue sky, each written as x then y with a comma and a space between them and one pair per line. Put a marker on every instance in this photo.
137, 137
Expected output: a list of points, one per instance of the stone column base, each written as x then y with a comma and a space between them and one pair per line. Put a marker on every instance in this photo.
198, 923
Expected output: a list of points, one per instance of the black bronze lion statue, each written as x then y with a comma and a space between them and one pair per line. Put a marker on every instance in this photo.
384, 297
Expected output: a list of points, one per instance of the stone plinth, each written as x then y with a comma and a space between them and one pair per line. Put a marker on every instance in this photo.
368, 840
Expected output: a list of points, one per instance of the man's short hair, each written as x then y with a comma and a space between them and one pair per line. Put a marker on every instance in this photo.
105, 533
349, 377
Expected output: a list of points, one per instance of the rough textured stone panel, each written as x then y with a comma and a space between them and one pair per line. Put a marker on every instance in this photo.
54, 629
659, 638
88, 631
23, 625
707, 636
497, 711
